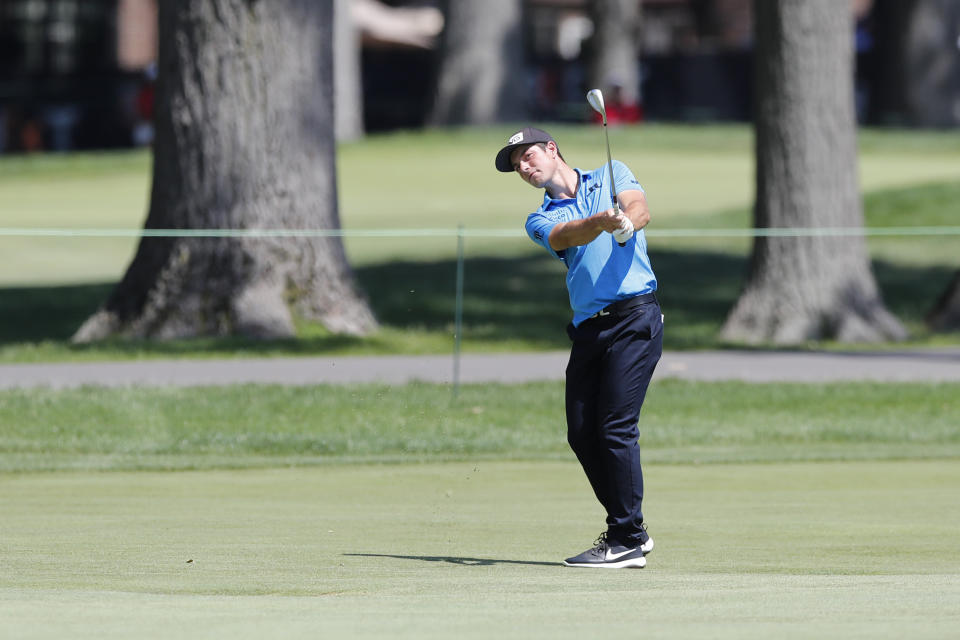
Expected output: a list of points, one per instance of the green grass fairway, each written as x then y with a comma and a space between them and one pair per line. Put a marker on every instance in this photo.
471, 549
107, 429
843, 525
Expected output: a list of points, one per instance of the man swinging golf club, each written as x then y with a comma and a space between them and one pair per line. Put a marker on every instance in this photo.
593, 221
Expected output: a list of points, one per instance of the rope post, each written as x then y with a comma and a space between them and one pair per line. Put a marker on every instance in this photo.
458, 315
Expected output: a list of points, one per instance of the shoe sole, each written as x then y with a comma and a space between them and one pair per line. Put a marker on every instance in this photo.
632, 563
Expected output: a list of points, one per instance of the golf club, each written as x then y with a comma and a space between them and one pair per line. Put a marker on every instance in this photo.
595, 98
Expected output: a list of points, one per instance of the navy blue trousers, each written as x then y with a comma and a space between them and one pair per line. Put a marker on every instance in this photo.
611, 362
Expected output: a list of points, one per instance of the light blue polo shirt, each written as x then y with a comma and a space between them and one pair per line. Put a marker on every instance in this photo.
600, 272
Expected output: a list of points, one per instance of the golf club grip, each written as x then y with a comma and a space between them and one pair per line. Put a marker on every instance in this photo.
617, 207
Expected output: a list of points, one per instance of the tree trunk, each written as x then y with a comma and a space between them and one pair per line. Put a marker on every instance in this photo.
481, 79
347, 74
244, 122
614, 59
814, 287
945, 315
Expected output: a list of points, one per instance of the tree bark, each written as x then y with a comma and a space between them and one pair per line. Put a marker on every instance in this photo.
945, 315
813, 287
347, 74
244, 122
481, 74
614, 59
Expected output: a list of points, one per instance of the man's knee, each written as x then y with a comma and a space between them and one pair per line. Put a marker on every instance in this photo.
621, 431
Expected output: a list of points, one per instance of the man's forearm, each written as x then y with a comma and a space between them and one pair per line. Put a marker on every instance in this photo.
638, 212
579, 232
583, 231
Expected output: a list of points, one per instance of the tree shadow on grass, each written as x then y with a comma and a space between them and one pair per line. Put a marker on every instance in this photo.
518, 299
525, 298
508, 298
468, 562
34, 314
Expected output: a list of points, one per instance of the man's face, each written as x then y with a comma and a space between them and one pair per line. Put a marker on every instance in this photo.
536, 164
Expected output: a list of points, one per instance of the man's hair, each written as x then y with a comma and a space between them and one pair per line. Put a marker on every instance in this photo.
544, 146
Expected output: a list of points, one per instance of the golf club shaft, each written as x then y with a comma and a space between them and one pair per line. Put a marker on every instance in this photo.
613, 188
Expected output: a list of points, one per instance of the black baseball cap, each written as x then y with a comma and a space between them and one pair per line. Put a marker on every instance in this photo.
526, 136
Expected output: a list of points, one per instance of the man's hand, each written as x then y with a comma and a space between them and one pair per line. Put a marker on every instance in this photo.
616, 222
611, 220
625, 232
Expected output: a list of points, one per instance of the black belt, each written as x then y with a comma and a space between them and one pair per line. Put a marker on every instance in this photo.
621, 306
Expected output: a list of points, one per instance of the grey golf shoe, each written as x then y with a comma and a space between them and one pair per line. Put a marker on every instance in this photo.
604, 555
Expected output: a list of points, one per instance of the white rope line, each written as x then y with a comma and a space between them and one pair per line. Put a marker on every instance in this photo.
777, 232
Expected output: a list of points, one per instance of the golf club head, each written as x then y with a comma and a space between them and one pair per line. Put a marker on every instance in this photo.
595, 98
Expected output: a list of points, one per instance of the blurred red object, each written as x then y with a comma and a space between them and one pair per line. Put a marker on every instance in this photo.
621, 113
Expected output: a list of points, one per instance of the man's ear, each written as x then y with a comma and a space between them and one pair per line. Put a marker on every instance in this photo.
552, 146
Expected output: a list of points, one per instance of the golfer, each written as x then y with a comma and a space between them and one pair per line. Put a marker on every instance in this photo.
616, 330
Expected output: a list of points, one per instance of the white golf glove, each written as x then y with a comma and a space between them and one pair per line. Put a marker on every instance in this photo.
625, 232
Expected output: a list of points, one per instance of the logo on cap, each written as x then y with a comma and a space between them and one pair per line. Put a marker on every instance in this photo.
517, 137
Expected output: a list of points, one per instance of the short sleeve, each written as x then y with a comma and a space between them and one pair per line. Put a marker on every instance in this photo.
626, 181
538, 228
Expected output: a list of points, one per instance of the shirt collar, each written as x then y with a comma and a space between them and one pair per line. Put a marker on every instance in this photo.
584, 178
